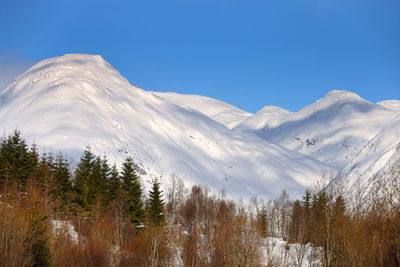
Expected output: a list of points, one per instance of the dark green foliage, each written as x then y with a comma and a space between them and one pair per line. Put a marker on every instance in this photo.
62, 178
91, 181
95, 182
114, 184
306, 202
16, 162
133, 192
306, 211
45, 173
83, 175
105, 173
34, 159
156, 205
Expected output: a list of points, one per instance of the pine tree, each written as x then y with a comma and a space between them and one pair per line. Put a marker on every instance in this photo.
15, 161
34, 160
307, 207
83, 175
156, 205
62, 177
133, 190
306, 202
105, 173
114, 184
263, 222
95, 182
45, 173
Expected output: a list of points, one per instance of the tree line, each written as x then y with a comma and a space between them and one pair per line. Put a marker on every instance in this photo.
98, 215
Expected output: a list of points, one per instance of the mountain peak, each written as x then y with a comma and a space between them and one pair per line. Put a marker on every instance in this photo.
274, 109
71, 57
341, 94
71, 64
71, 74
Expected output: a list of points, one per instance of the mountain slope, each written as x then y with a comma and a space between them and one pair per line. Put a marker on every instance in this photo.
221, 112
376, 160
393, 105
332, 130
72, 101
265, 119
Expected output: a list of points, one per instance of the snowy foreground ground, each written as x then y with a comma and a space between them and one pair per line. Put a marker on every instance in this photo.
280, 253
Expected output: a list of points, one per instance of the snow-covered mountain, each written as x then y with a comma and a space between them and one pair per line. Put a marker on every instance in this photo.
332, 130
393, 105
72, 101
376, 160
69, 102
221, 112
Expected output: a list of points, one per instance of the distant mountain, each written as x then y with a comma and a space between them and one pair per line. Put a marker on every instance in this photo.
332, 130
376, 160
221, 112
69, 102
393, 105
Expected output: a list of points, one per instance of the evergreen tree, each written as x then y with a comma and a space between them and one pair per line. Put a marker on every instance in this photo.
114, 184
307, 207
34, 160
16, 163
95, 182
45, 169
46, 162
105, 174
62, 177
156, 205
83, 175
263, 222
306, 202
133, 191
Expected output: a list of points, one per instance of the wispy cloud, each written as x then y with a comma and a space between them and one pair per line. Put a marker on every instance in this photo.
11, 65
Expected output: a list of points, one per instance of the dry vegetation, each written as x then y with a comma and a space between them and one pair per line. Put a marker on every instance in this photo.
199, 229
203, 230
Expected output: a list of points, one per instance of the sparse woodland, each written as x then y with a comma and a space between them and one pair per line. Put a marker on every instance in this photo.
94, 214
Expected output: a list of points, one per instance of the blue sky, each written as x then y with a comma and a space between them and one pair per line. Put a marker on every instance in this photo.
249, 53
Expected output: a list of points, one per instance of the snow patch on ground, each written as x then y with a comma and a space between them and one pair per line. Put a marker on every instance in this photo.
66, 227
277, 252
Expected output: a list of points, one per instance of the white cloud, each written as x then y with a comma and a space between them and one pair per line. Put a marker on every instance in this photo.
11, 65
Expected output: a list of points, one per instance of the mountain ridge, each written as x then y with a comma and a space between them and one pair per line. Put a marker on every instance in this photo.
72, 101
